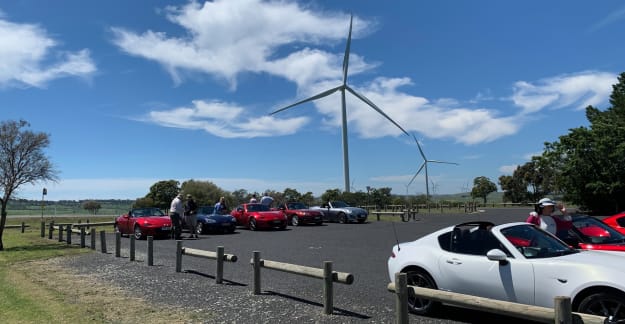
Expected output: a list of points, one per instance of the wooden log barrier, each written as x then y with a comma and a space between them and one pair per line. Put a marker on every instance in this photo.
559, 314
220, 256
325, 273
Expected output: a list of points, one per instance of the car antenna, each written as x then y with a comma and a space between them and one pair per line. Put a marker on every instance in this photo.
396, 239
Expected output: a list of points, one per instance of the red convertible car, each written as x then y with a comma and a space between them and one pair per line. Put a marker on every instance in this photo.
143, 222
256, 216
589, 233
297, 213
616, 221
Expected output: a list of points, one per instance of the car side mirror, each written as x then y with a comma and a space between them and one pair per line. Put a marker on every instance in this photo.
497, 255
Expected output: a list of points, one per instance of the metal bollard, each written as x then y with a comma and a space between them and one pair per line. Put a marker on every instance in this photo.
328, 295
103, 241
82, 237
118, 243
150, 250
132, 247
220, 265
256, 265
93, 238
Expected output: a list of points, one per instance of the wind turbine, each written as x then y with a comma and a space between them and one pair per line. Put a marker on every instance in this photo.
342, 89
424, 165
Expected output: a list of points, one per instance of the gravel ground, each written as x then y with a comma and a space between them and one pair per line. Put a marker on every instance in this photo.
360, 249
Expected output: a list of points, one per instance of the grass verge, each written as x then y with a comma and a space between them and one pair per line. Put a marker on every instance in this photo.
36, 288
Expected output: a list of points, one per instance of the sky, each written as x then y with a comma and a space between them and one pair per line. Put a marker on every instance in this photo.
135, 92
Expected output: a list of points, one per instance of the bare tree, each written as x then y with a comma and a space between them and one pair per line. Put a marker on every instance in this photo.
21, 161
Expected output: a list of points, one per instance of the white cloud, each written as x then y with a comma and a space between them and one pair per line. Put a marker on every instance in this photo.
611, 18
24, 57
574, 90
508, 169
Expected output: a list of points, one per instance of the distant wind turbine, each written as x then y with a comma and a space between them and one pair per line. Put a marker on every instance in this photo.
424, 165
342, 88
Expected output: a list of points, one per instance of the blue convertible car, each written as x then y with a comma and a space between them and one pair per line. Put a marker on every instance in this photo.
208, 221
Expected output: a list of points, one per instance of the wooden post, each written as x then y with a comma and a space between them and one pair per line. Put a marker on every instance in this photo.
60, 233
150, 250
103, 241
220, 265
93, 238
43, 229
132, 247
82, 237
178, 255
328, 294
69, 234
118, 243
563, 309
401, 299
50, 230
23, 227
256, 265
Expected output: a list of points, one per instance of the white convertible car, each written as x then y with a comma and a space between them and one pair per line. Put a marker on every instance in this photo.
516, 262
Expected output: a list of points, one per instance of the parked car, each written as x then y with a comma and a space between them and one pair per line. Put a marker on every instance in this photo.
516, 262
299, 213
589, 233
143, 222
208, 221
616, 221
255, 216
339, 211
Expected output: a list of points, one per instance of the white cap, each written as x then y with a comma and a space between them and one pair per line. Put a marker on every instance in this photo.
546, 202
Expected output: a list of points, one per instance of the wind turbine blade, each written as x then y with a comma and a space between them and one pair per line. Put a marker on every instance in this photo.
419, 146
416, 174
315, 97
346, 55
436, 161
376, 108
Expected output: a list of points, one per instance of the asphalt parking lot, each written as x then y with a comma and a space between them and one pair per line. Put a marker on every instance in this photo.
359, 249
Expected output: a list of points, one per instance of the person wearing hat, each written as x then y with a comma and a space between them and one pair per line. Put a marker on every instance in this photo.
542, 217
190, 216
175, 214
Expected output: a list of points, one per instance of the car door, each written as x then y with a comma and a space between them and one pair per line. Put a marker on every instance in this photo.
467, 270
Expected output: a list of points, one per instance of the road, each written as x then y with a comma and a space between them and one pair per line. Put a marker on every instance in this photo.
359, 249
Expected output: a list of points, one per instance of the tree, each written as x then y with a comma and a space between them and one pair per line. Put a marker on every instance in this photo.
163, 192
482, 186
204, 192
92, 206
588, 160
22, 161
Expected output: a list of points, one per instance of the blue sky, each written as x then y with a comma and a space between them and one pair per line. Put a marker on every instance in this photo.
133, 92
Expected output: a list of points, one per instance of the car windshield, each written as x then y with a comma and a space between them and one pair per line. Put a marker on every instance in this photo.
257, 207
339, 204
533, 242
205, 210
147, 212
592, 230
296, 205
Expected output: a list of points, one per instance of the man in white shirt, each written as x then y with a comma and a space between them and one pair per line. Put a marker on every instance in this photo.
176, 210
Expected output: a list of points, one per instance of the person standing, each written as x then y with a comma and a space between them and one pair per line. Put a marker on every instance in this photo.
175, 214
190, 214
542, 217
266, 199
220, 206
253, 200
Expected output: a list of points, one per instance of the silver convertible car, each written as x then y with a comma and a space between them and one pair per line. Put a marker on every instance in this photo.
516, 262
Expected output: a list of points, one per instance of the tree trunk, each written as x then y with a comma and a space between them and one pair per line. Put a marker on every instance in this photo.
3, 220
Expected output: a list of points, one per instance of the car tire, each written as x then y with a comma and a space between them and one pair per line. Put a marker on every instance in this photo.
342, 218
604, 304
199, 229
138, 234
252, 224
420, 278
295, 220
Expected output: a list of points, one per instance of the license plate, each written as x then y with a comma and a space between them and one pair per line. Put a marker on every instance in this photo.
277, 222
225, 224
166, 228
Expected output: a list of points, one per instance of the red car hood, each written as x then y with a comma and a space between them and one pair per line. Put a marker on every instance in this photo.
268, 214
159, 221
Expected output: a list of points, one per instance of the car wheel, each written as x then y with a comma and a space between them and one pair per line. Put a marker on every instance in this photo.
295, 220
252, 224
604, 304
138, 234
199, 229
342, 218
418, 305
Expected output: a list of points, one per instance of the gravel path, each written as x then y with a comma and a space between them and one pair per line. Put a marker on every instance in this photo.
360, 249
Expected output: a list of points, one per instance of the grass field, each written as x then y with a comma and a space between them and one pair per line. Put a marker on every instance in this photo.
36, 288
